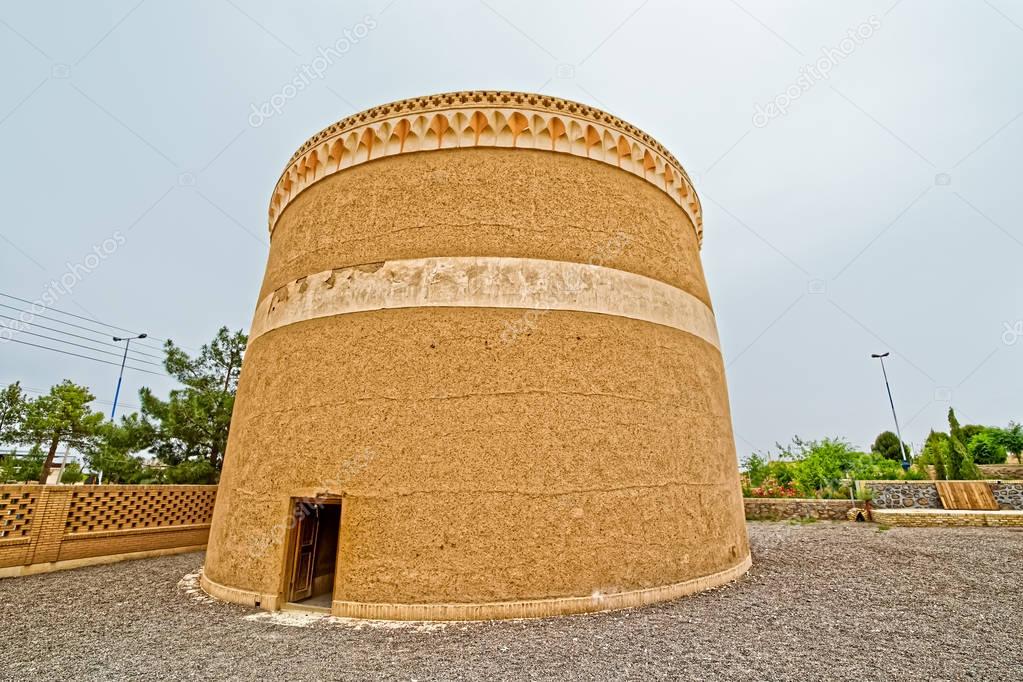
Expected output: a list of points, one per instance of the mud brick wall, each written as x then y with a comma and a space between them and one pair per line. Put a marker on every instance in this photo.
44, 524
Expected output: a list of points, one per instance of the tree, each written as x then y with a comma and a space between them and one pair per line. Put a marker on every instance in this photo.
887, 445
116, 466
111, 454
62, 416
960, 464
191, 473
193, 423
935, 452
12, 412
985, 449
756, 468
968, 431
1010, 438
133, 434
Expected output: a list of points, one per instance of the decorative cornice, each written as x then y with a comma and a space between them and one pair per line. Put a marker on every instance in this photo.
485, 119
485, 282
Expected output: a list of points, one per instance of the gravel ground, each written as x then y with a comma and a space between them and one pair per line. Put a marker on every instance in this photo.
823, 601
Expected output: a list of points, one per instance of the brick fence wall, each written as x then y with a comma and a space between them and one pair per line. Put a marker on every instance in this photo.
772, 509
41, 525
927, 517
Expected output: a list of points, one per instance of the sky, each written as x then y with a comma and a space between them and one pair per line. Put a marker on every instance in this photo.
858, 164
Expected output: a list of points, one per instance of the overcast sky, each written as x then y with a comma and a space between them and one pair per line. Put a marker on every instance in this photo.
861, 194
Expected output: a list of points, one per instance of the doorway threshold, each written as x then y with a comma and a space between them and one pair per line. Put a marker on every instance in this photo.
318, 604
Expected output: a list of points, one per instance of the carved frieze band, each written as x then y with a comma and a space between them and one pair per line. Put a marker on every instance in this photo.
525, 283
485, 119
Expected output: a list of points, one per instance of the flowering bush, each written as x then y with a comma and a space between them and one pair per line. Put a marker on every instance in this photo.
772, 488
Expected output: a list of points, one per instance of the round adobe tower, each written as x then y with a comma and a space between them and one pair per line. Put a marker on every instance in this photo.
483, 379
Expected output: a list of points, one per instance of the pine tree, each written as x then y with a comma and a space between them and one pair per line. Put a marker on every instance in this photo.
960, 465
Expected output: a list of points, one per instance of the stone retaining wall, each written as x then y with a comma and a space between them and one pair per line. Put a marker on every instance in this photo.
903, 494
1010, 472
993, 472
1008, 494
924, 494
774, 509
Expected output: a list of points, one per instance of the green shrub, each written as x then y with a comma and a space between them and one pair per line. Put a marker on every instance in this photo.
985, 448
72, 473
824, 464
876, 467
24, 468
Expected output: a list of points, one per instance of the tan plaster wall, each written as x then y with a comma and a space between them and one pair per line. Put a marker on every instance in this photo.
485, 202
594, 453
589, 453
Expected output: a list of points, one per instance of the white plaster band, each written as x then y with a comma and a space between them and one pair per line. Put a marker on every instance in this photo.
482, 282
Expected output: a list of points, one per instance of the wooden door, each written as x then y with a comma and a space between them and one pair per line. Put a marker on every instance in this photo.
307, 525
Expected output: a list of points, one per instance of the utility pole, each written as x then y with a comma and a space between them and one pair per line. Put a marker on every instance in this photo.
117, 392
902, 446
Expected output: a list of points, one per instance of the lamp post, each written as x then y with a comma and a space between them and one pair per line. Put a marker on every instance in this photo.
902, 447
117, 392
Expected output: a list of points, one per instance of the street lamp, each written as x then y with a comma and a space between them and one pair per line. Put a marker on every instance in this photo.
127, 342
902, 447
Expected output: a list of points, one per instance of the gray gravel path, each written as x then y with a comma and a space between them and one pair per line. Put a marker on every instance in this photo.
824, 601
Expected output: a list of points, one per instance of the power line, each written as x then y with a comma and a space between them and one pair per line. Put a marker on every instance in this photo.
78, 355
94, 350
95, 400
87, 319
80, 317
69, 324
79, 336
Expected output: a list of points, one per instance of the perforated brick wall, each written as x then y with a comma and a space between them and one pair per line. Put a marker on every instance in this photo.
45, 524
96, 508
17, 508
